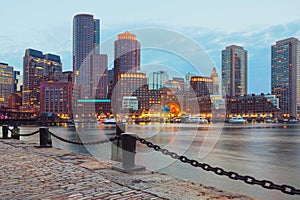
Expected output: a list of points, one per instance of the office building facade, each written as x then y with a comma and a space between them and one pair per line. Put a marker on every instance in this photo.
285, 75
126, 54
86, 41
6, 83
157, 80
234, 71
38, 68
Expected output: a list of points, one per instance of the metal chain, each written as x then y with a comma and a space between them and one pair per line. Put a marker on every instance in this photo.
28, 134
13, 131
287, 189
84, 143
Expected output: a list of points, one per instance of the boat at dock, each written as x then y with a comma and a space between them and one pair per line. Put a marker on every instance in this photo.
237, 120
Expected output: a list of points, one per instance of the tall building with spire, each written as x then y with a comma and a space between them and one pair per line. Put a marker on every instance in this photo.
234, 71
285, 75
215, 79
127, 54
86, 41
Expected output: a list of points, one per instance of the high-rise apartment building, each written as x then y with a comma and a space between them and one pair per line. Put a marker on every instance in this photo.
234, 71
157, 80
285, 75
127, 54
6, 83
86, 41
37, 68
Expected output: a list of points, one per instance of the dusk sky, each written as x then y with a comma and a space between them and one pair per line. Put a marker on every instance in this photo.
256, 25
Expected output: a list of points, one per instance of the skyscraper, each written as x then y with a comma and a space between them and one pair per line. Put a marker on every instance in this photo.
86, 40
285, 75
157, 80
37, 68
127, 54
234, 71
99, 75
6, 83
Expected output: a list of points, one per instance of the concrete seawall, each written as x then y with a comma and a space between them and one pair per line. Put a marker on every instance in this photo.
27, 172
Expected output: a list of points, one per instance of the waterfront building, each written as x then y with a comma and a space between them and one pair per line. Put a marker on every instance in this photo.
157, 80
251, 106
37, 68
202, 86
130, 103
130, 84
15, 100
285, 75
86, 39
6, 83
56, 97
126, 55
234, 71
215, 78
89, 109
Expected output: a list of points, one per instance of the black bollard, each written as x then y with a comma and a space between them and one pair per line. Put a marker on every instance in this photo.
5, 132
16, 132
116, 154
45, 138
128, 154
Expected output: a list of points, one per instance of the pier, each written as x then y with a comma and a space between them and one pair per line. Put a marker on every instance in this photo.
28, 172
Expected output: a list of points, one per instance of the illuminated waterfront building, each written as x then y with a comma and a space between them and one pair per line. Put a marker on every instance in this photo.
56, 97
285, 75
126, 54
234, 71
6, 83
252, 106
202, 86
130, 84
37, 68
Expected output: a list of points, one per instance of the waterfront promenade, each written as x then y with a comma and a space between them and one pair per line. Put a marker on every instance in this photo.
27, 172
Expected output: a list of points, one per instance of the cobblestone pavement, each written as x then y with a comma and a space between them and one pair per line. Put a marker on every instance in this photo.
27, 172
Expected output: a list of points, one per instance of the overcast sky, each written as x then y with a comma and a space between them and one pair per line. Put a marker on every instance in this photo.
214, 24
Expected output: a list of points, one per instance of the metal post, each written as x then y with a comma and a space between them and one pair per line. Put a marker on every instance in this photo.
116, 153
128, 154
5, 132
16, 131
45, 138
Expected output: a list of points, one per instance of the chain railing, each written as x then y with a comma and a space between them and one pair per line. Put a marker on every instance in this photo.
83, 143
287, 189
14, 131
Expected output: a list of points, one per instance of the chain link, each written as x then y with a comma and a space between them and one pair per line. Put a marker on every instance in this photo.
287, 189
84, 143
13, 131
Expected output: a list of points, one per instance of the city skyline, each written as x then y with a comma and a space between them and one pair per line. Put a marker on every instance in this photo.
255, 33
